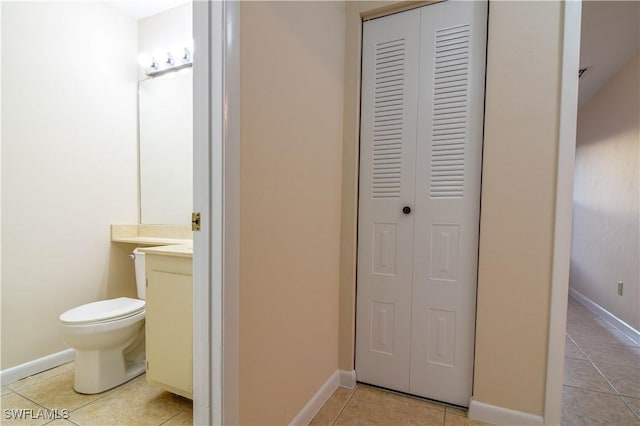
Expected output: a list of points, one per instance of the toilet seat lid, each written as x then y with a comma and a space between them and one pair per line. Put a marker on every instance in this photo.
103, 310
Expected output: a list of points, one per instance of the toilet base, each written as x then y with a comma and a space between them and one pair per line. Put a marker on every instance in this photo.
96, 383
100, 370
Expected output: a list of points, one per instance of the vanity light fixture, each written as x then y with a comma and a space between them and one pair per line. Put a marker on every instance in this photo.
164, 61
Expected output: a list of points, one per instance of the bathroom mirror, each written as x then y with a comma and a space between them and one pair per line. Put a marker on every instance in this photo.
165, 110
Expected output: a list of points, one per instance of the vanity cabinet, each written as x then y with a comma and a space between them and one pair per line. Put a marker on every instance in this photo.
169, 320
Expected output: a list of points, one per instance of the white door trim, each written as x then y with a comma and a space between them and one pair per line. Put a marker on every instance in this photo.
216, 197
202, 278
216, 182
563, 210
231, 212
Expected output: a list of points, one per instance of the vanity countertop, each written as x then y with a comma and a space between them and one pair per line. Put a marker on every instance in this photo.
180, 250
151, 235
151, 241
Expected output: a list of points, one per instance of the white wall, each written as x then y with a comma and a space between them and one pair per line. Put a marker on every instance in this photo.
69, 165
606, 234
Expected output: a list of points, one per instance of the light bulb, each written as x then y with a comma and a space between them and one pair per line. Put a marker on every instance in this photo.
161, 57
169, 60
145, 60
177, 52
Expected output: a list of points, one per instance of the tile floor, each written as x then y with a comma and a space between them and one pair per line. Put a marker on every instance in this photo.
601, 372
366, 405
601, 387
133, 403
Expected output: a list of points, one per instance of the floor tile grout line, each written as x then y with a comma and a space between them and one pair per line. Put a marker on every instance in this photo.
593, 390
70, 411
24, 394
598, 343
443, 405
44, 407
617, 392
629, 407
73, 423
576, 344
632, 343
634, 346
31, 400
43, 380
170, 417
613, 327
598, 370
355, 389
40, 382
624, 395
105, 394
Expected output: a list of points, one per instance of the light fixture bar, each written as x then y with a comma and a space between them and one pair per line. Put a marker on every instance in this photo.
158, 73
165, 61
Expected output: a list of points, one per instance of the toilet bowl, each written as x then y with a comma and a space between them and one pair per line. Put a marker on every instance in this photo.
108, 337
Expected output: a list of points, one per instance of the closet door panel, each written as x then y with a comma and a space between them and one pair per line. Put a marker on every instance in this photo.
387, 178
447, 199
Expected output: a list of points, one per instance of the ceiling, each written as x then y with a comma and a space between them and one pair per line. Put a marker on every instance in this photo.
140, 9
610, 37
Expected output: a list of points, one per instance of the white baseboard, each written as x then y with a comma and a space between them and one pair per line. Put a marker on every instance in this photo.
600, 311
348, 379
313, 406
495, 415
36, 366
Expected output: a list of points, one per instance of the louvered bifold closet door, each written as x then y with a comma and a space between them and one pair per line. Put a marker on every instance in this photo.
447, 199
387, 177
422, 107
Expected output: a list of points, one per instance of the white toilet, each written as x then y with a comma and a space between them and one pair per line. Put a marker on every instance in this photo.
108, 337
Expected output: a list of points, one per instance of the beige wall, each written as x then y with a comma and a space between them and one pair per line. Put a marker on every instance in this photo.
521, 139
69, 165
291, 76
605, 246
518, 193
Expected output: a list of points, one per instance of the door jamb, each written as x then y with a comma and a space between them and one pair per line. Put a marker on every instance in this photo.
563, 210
216, 197
203, 285
231, 212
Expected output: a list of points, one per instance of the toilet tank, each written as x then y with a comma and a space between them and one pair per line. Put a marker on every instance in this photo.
138, 261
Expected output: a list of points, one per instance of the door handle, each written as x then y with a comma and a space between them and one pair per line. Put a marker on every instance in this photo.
406, 210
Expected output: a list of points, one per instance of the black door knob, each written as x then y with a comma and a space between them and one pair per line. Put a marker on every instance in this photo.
406, 210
